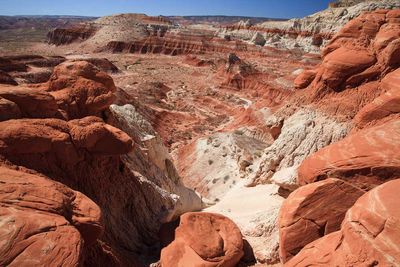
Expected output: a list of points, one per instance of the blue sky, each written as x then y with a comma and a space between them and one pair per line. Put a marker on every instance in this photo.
255, 8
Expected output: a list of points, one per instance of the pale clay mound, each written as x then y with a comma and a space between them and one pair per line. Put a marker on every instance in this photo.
303, 133
226, 157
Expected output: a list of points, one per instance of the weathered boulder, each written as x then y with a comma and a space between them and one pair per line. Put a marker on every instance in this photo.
342, 63
9, 110
385, 105
81, 89
32, 102
44, 222
313, 211
64, 139
366, 158
204, 239
304, 79
369, 235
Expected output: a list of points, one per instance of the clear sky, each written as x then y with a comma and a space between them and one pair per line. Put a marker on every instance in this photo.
254, 8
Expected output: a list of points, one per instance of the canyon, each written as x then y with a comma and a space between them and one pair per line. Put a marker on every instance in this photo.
134, 140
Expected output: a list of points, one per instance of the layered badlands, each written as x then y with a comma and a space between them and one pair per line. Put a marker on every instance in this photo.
168, 145
309, 33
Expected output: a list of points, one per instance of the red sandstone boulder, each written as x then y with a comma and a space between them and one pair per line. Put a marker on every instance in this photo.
304, 79
33, 136
97, 137
313, 211
369, 235
9, 110
342, 63
366, 158
81, 89
32, 102
383, 106
44, 222
204, 239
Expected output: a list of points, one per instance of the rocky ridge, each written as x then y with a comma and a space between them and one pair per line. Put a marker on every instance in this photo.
49, 140
309, 33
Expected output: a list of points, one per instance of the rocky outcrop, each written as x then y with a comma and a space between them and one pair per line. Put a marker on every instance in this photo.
24, 69
80, 89
64, 36
31, 102
345, 3
309, 33
354, 67
8, 65
384, 106
101, 63
204, 239
366, 158
5, 78
30, 137
242, 76
313, 211
21, 62
176, 44
75, 89
304, 79
359, 70
352, 59
136, 193
120, 28
369, 234
47, 222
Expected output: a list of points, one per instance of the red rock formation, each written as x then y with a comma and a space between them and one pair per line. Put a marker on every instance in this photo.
102, 63
7, 65
369, 235
239, 75
5, 78
354, 64
63, 36
304, 79
352, 58
27, 68
313, 211
204, 239
85, 154
386, 105
34, 60
27, 139
31, 102
80, 89
9, 110
177, 44
366, 158
47, 222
